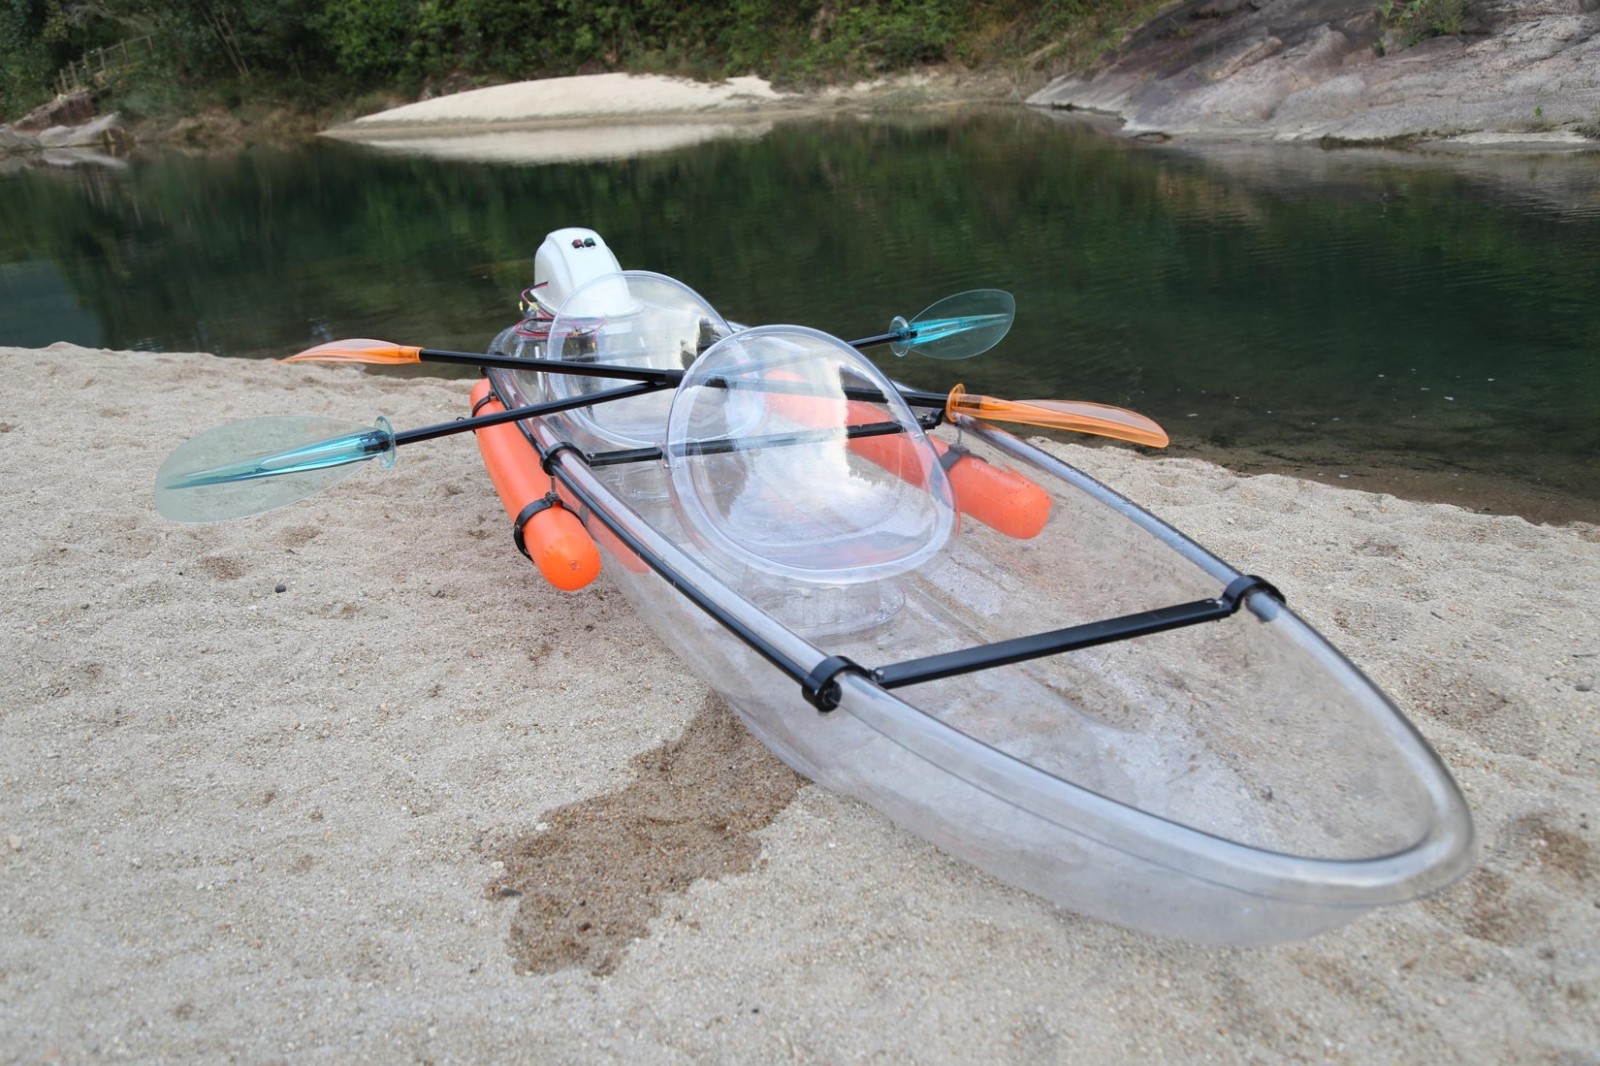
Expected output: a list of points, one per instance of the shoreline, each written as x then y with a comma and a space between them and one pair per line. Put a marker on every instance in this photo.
1227, 113
1478, 491
602, 101
614, 116
609, 116
244, 822
1481, 492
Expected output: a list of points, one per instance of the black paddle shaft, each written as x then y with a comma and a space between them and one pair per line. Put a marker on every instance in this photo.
659, 377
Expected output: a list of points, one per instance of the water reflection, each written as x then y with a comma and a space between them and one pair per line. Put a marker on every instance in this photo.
40, 308
1373, 314
586, 144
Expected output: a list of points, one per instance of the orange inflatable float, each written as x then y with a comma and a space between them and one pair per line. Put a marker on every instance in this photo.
547, 531
1001, 499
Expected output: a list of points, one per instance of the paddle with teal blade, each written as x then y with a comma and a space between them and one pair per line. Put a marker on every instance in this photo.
261, 464
957, 327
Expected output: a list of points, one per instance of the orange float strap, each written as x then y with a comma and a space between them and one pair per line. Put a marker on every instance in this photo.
544, 529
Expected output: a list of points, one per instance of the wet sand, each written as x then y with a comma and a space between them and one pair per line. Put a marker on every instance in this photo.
1408, 477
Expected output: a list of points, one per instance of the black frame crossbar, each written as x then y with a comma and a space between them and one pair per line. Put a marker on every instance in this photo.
670, 378
822, 691
724, 445
819, 685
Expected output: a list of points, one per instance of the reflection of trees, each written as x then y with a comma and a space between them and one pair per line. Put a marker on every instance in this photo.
1142, 278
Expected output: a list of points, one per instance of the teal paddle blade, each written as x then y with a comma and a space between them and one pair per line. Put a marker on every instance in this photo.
957, 327
248, 467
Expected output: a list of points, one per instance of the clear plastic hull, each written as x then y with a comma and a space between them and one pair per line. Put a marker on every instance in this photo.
1232, 782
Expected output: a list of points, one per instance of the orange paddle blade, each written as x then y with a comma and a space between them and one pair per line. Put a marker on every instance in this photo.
358, 350
1077, 416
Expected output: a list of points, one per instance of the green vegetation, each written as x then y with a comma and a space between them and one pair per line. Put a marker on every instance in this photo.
1412, 21
310, 53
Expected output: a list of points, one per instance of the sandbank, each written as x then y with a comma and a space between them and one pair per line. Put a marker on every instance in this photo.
614, 116
243, 822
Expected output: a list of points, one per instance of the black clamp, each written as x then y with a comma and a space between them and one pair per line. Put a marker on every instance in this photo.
488, 397
819, 687
543, 503
953, 455
1240, 587
547, 463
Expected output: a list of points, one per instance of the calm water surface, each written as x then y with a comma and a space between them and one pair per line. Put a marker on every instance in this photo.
1424, 325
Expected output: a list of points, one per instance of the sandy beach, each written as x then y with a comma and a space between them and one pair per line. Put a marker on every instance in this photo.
620, 116
268, 788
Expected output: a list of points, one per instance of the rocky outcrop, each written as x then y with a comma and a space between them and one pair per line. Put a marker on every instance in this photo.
68, 109
1340, 71
107, 134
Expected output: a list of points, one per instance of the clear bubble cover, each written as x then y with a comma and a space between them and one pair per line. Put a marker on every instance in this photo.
634, 318
791, 453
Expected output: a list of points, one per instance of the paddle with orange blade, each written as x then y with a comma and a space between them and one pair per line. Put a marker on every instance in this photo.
245, 468
249, 467
1074, 416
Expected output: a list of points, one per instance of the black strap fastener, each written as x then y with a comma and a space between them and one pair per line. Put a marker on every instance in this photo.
953, 455
547, 464
1240, 587
543, 503
820, 687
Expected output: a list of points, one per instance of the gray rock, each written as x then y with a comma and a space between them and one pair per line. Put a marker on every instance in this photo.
1329, 70
71, 109
12, 142
106, 132
99, 139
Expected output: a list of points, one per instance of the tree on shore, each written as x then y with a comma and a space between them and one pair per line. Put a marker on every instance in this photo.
231, 50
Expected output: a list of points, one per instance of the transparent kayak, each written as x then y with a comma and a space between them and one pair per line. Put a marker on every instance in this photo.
1071, 695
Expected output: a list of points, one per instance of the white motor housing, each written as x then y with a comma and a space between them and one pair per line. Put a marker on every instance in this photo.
566, 260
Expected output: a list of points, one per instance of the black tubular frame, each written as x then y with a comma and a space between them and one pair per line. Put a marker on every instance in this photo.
724, 445
819, 684
548, 461
660, 378
1087, 635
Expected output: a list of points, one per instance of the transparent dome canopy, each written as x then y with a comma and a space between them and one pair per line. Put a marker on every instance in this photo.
633, 318
773, 465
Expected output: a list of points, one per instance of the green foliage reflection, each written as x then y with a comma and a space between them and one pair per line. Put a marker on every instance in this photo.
1399, 308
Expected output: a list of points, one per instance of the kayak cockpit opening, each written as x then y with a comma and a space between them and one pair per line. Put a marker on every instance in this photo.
632, 318
855, 494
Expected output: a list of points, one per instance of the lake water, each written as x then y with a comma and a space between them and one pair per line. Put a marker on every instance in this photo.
1423, 324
